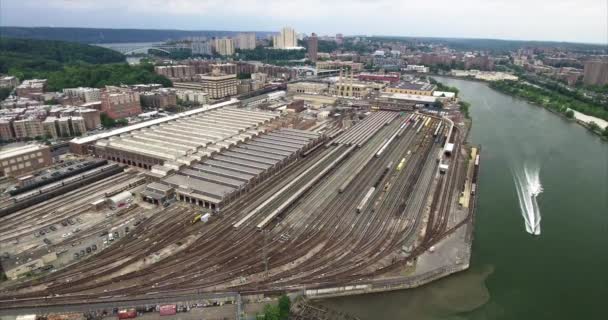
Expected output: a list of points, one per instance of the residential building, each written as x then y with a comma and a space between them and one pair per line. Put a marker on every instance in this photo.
9, 82
24, 159
227, 68
260, 77
49, 127
92, 119
195, 97
245, 41
417, 68
313, 47
120, 103
218, 85
596, 72
158, 99
6, 130
144, 87
28, 128
337, 64
287, 39
31, 87
83, 94
224, 46
177, 72
201, 47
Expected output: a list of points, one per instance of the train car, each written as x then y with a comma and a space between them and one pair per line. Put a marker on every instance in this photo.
168, 310
365, 199
473, 188
196, 218
437, 130
401, 164
426, 123
477, 161
127, 314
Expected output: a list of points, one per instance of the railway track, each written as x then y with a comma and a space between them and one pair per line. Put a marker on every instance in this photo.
311, 244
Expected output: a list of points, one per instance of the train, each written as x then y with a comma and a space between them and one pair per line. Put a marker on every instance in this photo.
365, 199
384, 172
401, 164
48, 179
196, 218
437, 130
59, 184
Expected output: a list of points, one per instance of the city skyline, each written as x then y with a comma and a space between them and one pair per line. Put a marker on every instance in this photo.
583, 22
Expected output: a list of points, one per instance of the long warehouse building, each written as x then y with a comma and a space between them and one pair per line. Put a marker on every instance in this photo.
185, 140
219, 179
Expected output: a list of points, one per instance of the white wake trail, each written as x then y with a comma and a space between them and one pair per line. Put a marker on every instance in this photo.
527, 183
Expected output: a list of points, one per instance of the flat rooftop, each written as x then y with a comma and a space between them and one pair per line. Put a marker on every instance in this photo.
412, 86
16, 151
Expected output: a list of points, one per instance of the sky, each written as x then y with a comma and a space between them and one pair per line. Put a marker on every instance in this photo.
554, 20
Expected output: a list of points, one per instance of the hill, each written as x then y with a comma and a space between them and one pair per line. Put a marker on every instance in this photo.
68, 64
104, 35
27, 54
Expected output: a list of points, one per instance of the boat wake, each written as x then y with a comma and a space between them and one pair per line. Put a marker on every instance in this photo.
527, 183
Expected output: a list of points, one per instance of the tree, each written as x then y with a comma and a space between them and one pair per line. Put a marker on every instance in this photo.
4, 93
284, 307
570, 114
593, 126
438, 104
605, 133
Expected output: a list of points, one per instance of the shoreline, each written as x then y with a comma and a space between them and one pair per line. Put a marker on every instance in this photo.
578, 121
575, 120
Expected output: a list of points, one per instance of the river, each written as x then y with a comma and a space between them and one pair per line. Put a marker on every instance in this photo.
560, 274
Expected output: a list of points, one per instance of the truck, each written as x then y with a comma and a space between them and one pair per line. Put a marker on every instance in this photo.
127, 314
205, 217
168, 309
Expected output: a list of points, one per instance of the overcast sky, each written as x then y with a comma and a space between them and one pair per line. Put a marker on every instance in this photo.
558, 20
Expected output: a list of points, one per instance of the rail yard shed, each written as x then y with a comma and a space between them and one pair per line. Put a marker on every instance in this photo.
184, 140
219, 179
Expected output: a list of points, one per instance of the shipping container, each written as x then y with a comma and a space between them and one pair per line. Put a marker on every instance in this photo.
168, 309
127, 314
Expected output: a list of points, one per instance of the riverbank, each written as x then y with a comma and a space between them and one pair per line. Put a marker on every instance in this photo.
544, 101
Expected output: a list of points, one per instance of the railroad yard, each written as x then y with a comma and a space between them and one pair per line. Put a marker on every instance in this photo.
348, 206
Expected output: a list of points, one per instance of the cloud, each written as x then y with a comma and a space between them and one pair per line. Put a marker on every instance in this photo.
582, 20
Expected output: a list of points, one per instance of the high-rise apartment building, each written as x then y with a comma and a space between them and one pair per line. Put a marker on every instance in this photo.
201, 47
224, 46
313, 47
245, 41
596, 72
287, 39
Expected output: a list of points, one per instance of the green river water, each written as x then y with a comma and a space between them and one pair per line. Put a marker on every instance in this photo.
561, 274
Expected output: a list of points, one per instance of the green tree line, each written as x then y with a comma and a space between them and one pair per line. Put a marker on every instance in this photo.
550, 99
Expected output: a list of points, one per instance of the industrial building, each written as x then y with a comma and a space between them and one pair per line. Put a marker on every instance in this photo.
412, 88
184, 140
20, 160
224, 175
